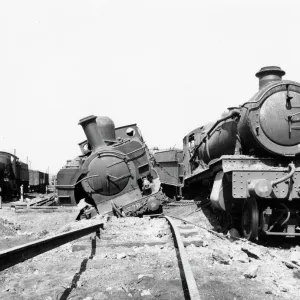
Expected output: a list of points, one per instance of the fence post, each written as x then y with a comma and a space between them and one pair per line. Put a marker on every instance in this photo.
21, 190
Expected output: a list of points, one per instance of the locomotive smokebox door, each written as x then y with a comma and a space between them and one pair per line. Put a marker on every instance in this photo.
280, 118
111, 175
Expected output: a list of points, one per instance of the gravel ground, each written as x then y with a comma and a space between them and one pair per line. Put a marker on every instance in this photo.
19, 228
237, 269
135, 258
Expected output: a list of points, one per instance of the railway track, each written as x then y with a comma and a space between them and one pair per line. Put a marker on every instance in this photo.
132, 257
142, 258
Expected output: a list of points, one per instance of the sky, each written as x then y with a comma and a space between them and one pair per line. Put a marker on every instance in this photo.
169, 66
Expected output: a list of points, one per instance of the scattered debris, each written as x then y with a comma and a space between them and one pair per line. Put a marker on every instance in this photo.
145, 275
121, 255
252, 252
241, 257
295, 257
251, 272
221, 257
289, 264
145, 293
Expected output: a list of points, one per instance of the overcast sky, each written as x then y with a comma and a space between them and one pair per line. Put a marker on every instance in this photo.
169, 66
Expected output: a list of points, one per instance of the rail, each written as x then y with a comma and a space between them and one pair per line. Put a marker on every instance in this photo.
187, 270
13, 256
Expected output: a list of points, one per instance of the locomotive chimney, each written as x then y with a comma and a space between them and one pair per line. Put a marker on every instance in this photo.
269, 74
91, 131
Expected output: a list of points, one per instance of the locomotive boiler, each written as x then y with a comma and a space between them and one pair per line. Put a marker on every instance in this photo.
114, 165
247, 163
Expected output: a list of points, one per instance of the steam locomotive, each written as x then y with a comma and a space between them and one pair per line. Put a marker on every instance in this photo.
15, 173
114, 165
248, 162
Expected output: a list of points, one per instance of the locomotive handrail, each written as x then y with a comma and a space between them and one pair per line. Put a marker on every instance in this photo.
117, 178
125, 155
136, 150
234, 113
287, 176
73, 185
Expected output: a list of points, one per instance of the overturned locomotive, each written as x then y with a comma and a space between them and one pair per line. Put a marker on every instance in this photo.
114, 165
248, 162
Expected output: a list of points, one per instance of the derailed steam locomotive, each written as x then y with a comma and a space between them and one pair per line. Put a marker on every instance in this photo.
114, 165
247, 163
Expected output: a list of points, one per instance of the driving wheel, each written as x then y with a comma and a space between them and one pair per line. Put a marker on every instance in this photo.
250, 219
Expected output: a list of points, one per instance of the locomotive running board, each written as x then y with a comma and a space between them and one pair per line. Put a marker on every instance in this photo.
229, 163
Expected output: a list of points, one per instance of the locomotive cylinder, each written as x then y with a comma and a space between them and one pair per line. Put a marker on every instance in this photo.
92, 132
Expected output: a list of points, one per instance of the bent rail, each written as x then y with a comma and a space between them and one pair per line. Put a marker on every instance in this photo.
187, 270
13, 256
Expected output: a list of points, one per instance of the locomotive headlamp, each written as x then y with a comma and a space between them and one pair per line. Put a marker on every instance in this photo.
261, 188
